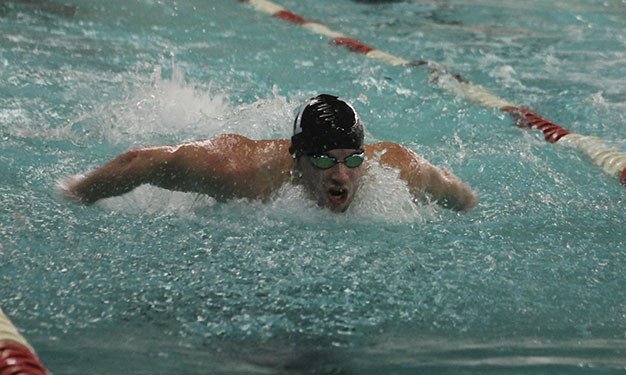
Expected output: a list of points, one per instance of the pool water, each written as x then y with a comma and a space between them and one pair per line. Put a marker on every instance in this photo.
531, 281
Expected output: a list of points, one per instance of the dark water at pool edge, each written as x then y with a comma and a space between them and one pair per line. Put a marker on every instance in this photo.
390, 355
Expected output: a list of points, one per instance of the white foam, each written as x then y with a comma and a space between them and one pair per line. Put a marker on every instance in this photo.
384, 196
265, 118
171, 110
153, 200
166, 107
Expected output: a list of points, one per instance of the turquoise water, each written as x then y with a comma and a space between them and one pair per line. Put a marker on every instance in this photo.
531, 281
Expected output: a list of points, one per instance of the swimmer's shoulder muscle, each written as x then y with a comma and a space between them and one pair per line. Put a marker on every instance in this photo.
422, 177
234, 166
410, 165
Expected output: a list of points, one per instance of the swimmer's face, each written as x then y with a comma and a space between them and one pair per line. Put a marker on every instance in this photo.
334, 187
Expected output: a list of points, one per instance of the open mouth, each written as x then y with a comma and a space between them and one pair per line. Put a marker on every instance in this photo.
337, 193
337, 199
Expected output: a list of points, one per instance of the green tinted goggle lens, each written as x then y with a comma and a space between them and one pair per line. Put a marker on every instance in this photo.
327, 161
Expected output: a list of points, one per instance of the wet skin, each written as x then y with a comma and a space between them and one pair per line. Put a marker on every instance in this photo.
332, 188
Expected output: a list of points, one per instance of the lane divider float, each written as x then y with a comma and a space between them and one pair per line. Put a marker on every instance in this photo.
17, 357
610, 160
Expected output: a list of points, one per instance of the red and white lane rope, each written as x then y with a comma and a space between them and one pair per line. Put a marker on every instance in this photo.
611, 161
17, 357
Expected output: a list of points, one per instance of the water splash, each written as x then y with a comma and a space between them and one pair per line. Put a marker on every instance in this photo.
166, 109
172, 110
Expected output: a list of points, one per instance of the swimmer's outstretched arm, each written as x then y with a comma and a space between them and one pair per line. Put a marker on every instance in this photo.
156, 166
192, 167
447, 189
425, 179
225, 167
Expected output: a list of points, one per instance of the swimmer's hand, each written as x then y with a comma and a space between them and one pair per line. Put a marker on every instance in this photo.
114, 178
65, 188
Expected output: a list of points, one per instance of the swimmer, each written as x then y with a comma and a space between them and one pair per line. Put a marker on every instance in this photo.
325, 155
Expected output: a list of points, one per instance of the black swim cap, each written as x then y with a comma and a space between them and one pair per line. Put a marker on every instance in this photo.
326, 123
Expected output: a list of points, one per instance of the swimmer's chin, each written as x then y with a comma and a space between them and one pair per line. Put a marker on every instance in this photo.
63, 188
338, 204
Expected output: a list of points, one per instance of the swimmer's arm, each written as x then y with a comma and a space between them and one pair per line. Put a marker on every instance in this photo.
119, 176
425, 179
182, 168
447, 189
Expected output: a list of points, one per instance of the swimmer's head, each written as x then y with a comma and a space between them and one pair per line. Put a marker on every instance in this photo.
326, 123
327, 146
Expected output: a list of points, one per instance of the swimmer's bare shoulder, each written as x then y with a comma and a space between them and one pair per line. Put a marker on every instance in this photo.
422, 177
232, 166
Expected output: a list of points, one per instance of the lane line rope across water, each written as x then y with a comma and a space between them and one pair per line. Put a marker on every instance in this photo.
611, 161
17, 357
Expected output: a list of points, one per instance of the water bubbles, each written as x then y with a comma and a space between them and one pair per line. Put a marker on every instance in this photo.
384, 196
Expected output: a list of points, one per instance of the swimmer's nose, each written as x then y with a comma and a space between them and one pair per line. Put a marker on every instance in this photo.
340, 173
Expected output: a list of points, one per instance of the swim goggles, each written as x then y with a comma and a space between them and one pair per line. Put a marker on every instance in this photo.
326, 161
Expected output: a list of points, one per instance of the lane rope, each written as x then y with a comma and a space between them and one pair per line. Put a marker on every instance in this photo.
610, 160
17, 357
